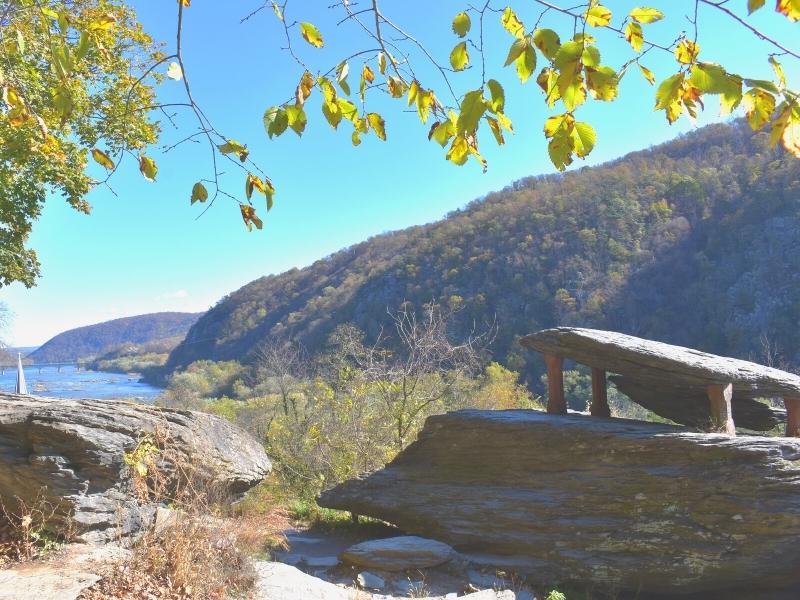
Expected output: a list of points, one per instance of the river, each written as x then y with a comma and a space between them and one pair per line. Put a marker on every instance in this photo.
71, 382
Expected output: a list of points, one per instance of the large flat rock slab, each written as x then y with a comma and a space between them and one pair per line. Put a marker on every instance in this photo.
74, 450
398, 553
656, 362
629, 505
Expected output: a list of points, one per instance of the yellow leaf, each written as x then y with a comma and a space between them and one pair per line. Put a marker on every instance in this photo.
598, 16
378, 125
790, 8
148, 167
648, 74
102, 159
512, 24
459, 58
461, 24
634, 36
758, 107
644, 14
311, 34
687, 52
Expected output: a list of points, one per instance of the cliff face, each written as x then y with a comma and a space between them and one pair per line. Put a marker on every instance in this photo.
625, 505
693, 242
85, 342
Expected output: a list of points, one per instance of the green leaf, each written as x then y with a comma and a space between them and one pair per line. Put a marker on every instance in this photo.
276, 121
547, 41
603, 83
526, 64
590, 56
102, 159
754, 5
199, 193
646, 15
498, 95
584, 138
472, 108
516, 50
378, 125
148, 167
297, 119
459, 58
311, 34
84, 43
511, 23
442, 132
461, 24
598, 16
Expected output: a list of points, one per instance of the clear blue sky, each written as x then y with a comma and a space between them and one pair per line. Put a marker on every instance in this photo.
144, 250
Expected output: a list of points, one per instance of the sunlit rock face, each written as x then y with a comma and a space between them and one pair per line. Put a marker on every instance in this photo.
73, 453
607, 502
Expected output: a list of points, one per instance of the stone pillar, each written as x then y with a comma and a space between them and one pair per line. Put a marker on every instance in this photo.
599, 407
792, 406
556, 405
719, 396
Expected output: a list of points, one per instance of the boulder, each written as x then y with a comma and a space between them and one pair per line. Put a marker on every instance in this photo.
607, 502
73, 452
398, 553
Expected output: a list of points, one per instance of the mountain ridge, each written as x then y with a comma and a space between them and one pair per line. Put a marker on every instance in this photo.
90, 340
649, 244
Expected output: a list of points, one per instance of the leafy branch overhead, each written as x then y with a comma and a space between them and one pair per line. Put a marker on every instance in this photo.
79, 79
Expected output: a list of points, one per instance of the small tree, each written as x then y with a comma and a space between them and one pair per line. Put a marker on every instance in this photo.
419, 374
282, 366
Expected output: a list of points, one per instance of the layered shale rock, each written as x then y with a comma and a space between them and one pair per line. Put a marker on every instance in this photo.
628, 505
73, 451
673, 381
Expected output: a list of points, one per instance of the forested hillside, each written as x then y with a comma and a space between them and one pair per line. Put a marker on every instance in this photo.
89, 341
696, 242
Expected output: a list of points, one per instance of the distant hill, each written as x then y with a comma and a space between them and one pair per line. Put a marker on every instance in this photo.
89, 341
695, 241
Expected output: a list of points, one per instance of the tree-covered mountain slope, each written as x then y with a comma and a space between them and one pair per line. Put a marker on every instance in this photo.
695, 242
91, 340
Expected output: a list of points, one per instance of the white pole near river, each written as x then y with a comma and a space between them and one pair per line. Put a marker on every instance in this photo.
21, 387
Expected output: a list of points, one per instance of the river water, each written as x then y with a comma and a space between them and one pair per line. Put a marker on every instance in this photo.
71, 382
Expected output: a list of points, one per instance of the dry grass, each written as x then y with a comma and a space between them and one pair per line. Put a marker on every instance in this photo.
24, 529
201, 550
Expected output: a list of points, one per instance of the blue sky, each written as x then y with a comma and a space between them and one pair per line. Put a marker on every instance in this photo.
144, 249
